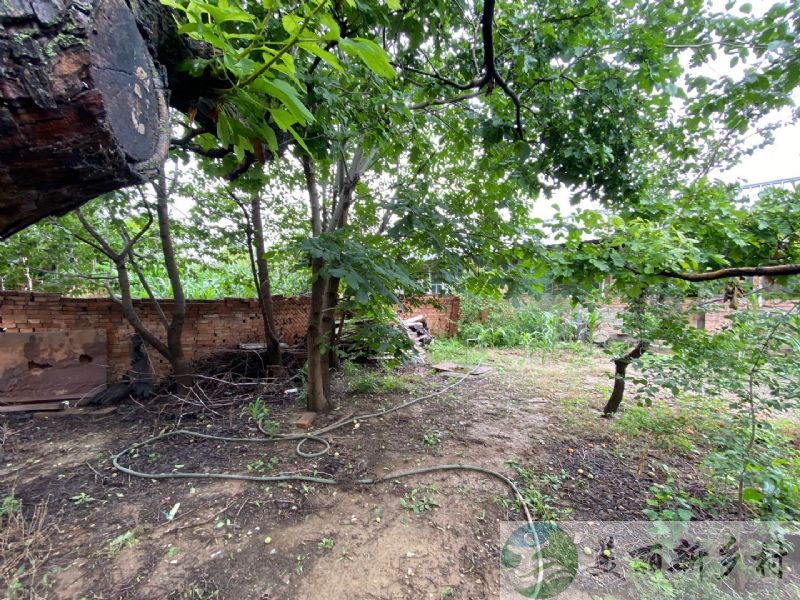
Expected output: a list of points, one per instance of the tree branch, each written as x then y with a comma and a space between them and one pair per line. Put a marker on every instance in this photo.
769, 270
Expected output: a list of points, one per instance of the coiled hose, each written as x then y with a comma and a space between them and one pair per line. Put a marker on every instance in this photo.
314, 436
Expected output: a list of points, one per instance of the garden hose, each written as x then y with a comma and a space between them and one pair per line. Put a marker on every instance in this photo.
315, 436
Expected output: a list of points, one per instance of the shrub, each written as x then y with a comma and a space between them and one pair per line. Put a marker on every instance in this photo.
522, 323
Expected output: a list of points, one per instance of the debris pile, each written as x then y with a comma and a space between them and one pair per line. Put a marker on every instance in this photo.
417, 330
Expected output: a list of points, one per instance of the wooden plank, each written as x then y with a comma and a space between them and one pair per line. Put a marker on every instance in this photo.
29, 407
482, 371
76, 412
34, 399
305, 420
447, 366
252, 346
52, 365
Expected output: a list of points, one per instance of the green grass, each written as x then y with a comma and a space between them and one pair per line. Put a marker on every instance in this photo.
684, 429
455, 351
364, 380
119, 543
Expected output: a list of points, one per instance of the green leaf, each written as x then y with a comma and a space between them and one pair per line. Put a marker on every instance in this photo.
326, 56
298, 139
752, 495
373, 55
224, 130
287, 95
283, 119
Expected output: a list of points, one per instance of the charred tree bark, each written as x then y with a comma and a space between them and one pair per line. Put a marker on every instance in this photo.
620, 368
82, 106
83, 100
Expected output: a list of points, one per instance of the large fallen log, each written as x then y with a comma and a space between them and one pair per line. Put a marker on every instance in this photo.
83, 100
82, 106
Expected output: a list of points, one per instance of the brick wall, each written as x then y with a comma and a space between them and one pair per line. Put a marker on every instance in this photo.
210, 324
441, 313
714, 319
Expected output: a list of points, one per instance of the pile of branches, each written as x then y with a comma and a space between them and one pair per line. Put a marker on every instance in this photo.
234, 377
25, 544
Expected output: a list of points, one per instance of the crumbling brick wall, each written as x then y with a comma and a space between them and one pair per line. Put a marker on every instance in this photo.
441, 313
714, 318
210, 324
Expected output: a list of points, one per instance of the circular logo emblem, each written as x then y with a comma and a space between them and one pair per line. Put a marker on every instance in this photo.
539, 560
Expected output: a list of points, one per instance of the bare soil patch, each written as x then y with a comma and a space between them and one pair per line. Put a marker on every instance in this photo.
109, 535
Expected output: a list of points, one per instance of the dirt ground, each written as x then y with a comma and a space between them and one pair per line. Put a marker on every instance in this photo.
102, 534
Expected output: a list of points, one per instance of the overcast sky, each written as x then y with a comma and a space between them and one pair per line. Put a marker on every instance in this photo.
778, 161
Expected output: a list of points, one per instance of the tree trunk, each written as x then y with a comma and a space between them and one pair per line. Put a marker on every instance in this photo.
81, 102
620, 368
264, 288
181, 370
318, 370
317, 365
329, 325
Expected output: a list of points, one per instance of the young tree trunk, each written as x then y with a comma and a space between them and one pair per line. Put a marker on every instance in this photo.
325, 291
172, 350
274, 357
318, 364
180, 366
620, 368
329, 324
346, 189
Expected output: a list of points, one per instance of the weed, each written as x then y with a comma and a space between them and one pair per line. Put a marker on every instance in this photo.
257, 412
9, 506
377, 513
456, 351
373, 381
393, 383
82, 499
670, 503
529, 483
25, 545
417, 503
345, 555
446, 592
263, 466
119, 543
500, 323
326, 543
202, 590
662, 427
432, 439
298, 568
349, 369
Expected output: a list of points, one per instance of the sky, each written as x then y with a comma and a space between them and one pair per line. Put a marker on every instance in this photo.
778, 161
